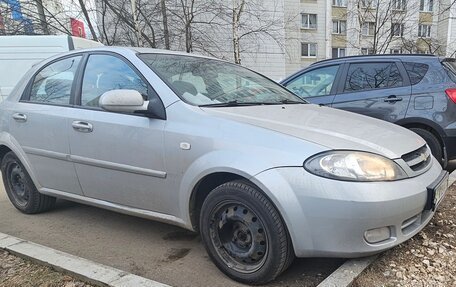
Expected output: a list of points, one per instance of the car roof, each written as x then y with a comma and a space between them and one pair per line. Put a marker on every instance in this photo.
137, 50
376, 56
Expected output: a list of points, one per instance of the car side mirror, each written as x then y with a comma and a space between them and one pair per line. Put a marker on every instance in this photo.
123, 101
131, 101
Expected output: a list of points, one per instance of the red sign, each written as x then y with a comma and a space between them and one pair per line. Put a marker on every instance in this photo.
77, 28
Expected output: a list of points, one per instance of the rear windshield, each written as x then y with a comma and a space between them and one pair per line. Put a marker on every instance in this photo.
416, 71
450, 67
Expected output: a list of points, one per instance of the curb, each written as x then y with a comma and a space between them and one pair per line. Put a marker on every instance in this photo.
78, 267
345, 274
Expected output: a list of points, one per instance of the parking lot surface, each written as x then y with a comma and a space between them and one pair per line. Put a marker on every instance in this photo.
157, 251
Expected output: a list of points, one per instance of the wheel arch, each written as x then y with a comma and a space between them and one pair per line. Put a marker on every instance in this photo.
202, 189
3, 151
9, 143
426, 124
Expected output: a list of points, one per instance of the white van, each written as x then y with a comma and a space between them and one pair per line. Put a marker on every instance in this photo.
20, 53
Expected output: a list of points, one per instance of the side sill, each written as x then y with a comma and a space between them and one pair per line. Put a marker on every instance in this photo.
156, 216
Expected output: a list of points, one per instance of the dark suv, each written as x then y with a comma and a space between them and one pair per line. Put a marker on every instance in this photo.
415, 91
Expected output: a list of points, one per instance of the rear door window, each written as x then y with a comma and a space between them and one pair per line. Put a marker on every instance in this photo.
371, 76
416, 71
53, 84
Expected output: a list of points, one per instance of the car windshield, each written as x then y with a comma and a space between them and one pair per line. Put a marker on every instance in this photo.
207, 82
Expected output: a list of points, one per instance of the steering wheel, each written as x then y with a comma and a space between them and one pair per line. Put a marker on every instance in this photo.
302, 91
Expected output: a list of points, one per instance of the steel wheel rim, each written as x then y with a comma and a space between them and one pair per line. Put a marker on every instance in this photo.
239, 237
17, 183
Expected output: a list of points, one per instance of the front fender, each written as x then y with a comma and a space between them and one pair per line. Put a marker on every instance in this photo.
214, 162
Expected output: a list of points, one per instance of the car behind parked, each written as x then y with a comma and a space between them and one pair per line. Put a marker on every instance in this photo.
208, 145
414, 91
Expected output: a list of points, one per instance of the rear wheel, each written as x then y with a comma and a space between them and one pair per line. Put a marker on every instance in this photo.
20, 188
244, 234
433, 143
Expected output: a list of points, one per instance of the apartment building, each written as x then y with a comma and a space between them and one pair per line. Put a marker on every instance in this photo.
337, 28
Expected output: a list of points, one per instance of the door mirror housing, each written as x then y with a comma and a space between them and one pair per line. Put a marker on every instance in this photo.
131, 101
123, 101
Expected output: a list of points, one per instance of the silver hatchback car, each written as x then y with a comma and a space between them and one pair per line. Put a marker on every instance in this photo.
210, 146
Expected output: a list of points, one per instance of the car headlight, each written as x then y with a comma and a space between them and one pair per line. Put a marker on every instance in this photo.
354, 166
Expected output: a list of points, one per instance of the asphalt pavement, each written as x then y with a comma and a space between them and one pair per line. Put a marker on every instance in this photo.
157, 251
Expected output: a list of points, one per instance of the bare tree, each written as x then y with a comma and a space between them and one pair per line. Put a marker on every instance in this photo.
165, 23
254, 23
87, 18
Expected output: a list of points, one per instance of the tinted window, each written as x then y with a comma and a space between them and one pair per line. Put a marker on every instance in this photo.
105, 73
53, 83
368, 76
450, 68
317, 82
416, 71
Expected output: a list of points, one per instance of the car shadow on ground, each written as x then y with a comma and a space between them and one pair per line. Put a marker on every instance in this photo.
177, 244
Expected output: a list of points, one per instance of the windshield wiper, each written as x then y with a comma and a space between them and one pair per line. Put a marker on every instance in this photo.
287, 101
239, 104
234, 104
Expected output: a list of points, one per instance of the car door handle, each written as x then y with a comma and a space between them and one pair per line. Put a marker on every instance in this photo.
392, 99
82, 127
20, 117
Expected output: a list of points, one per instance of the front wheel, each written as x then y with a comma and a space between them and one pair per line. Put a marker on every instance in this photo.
244, 234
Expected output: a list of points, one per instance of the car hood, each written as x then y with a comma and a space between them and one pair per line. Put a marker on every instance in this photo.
332, 128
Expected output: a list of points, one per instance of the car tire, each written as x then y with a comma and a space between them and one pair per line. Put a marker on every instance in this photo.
244, 233
433, 143
20, 188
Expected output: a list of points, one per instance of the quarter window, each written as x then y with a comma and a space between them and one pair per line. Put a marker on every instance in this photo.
52, 85
416, 71
369, 76
317, 82
104, 73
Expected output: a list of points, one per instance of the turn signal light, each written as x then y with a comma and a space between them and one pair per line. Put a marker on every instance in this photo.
451, 93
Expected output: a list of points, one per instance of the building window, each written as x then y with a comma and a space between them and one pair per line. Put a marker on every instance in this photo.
339, 27
397, 29
369, 3
308, 49
309, 21
339, 3
426, 5
367, 51
338, 52
398, 5
368, 29
424, 31
396, 51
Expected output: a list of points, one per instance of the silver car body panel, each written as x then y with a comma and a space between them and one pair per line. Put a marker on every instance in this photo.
150, 167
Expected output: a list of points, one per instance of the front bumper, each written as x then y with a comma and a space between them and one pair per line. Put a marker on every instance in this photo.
328, 218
